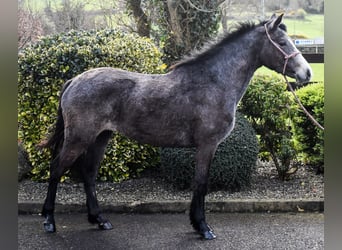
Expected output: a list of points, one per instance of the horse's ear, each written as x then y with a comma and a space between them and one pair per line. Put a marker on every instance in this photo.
275, 21
273, 16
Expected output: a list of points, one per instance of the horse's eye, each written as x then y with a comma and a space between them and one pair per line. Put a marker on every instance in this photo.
282, 43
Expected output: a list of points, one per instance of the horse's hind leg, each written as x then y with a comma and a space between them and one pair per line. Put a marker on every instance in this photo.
90, 163
67, 156
49, 204
204, 156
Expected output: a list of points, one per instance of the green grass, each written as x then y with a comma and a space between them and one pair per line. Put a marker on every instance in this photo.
311, 27
318, 71
317, 68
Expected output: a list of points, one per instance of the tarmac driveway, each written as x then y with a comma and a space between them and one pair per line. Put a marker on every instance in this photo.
173, 231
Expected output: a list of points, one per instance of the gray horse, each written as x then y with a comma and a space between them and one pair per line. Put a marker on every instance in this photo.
193, 105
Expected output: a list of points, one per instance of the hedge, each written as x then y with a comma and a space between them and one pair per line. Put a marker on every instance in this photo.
45, 66
309, 138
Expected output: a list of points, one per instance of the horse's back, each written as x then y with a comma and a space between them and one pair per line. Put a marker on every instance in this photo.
162, 110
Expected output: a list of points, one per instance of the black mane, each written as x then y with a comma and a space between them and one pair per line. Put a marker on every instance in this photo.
211, 48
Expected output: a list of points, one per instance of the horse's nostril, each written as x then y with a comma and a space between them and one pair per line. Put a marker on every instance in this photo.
308, 74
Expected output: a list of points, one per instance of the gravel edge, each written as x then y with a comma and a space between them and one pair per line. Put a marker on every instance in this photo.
303, 192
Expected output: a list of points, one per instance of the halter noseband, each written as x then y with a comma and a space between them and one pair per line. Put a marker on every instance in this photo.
286, 56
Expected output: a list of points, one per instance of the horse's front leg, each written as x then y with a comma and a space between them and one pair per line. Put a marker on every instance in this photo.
204, 156
94, 215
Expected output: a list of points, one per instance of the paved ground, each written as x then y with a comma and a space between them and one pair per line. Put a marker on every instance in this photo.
172, 231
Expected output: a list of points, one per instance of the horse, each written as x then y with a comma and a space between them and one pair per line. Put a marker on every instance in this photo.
192, 105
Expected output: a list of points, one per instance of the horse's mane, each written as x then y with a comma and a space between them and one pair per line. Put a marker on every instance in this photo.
211, 48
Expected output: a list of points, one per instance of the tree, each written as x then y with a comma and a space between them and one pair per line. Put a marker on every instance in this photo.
188, 25
313, 6
141, 19
29, 26
70, 15
179, 25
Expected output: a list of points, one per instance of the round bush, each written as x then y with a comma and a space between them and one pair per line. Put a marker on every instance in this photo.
309, 137
45, 66
267, 105
231, 167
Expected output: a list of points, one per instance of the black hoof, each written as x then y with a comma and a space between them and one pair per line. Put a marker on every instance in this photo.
204, 230
105, 225
209, 235
49, 224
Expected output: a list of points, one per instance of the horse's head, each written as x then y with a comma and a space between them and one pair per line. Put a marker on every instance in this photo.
280, 54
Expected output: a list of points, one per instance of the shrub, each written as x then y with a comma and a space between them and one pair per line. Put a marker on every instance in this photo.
45, 66
297, 14
301, 14
231, 167
309, 137
267, 106
298, 36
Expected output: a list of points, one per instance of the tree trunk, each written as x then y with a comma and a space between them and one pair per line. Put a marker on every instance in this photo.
174, 20
142, 21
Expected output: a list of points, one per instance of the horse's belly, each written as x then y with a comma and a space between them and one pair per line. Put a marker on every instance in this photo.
160, 136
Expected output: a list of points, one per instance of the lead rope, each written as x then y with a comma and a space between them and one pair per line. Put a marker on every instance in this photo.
315, 122
287, 57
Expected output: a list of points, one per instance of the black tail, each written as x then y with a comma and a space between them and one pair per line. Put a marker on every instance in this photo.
57, 138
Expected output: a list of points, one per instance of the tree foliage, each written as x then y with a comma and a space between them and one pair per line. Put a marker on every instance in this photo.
187, 25
179, 26
310, 139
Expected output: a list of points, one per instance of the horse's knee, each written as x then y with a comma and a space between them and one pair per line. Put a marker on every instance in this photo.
200, 188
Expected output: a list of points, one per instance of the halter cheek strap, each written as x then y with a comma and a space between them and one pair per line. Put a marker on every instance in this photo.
286, 56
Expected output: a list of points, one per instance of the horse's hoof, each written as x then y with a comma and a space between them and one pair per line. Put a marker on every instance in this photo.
209, 235
103, 223
49, 227
106, 225
49, 224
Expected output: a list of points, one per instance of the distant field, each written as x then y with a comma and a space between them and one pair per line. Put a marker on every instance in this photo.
311, 27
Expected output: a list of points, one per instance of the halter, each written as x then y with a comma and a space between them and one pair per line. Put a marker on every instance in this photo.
286, 56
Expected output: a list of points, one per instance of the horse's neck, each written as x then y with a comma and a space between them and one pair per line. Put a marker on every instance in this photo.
236, 65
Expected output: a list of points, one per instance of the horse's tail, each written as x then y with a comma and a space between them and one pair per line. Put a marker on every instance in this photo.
56, 139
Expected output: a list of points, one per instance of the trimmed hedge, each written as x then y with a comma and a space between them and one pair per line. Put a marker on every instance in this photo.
231, 167
310, 139
45, 66
268, 106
